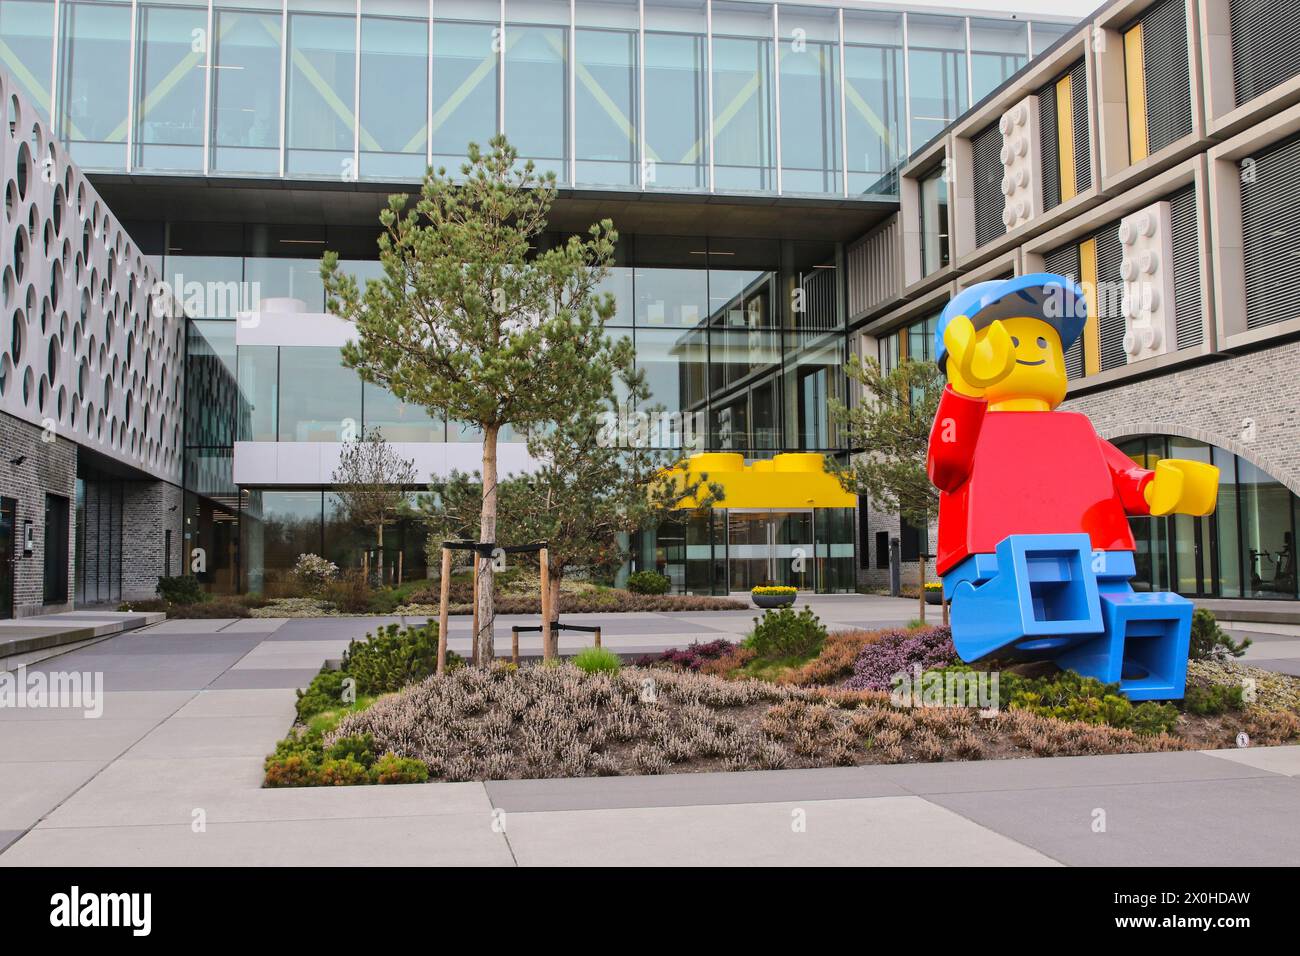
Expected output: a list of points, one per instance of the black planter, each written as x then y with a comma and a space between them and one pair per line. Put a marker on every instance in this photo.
933, 597
769, 601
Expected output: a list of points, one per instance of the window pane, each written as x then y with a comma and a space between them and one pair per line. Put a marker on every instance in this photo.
210, 388
744, 380
246, 91
675, 363
998, 49
937, 67
208, 287
744, 152
814, 374
873, 98
394, 129
606, 92
676, 104
93, 82
271, 278
1045, 34
27, 48
319, 106
934, 221
1228, 525
810, 101
171, 64
1267, 542
276, 527
464, 83
537, 56
397, 420
320, 398
259, 391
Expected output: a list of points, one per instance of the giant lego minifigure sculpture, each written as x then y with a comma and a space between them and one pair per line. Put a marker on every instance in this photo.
1035, 549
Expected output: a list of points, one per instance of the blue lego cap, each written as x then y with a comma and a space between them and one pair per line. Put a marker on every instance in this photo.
1055, 299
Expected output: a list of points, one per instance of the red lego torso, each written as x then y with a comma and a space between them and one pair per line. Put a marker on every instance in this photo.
1003, 473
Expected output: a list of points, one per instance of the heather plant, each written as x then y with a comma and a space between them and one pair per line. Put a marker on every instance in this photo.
782, 634
313, 572
692, 657
898, 652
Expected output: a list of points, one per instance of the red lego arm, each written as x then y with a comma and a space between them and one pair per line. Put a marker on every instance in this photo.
1129, 478
953, 436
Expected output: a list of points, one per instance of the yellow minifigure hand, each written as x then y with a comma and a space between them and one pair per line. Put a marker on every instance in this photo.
995, 354
1183, 487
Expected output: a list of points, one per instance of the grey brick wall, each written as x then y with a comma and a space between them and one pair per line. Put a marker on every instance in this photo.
150, 509
50, 467
1244, 403
877, 579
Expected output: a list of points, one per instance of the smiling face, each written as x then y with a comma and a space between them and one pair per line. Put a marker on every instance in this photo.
1037, 381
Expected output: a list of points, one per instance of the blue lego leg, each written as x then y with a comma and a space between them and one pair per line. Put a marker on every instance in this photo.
1034, 597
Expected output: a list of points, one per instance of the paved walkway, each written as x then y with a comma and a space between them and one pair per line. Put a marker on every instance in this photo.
170, 774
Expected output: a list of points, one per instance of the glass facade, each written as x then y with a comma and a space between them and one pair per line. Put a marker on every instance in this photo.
722, 95
1246, 549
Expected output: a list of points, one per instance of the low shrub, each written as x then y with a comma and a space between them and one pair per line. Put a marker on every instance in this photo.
648, 582
313, 572
325, 692
384, 601
897, 652
835, 661
692, 657
597, 660
344, 772
1207, 700
392, 769
782, 634
1209, 641
295, 770
1070, 696
182, 589
355, 748
350, 592
395, 656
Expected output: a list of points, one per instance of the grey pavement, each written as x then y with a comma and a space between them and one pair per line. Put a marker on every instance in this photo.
171, 773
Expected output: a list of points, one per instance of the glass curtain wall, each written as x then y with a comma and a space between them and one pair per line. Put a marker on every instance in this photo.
394, 136
936, 63
1246, 549
320, 105
676, 95
744, 136
874, 99
246, 87
934, 221
171, 79
27, 48
606, 92
93, 86
998, 48
537, 85
466, 78
809, 52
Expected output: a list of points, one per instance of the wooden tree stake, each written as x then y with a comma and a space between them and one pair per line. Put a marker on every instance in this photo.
445, 588
547, 653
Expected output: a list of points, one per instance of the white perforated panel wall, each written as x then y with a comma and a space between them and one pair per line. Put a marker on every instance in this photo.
85, 351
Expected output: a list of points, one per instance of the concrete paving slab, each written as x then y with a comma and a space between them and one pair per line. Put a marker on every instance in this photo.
274, 702
68, 740
1273, 650
212, 737
256, 625
273, 677
1283, 760
192, 625
32, 790
117, 705
454, 839
879, 831
298, 654
7, 837
228, 790
690, 789
1286, 665
1245, 822
1038, 773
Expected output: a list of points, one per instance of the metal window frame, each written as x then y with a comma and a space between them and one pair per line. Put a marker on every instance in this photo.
284, 76
131, 79
708, 79
776, 82
501, 69
640, 92
428, 89
356, 92
209, 42
844, 116
56, 47
572, 109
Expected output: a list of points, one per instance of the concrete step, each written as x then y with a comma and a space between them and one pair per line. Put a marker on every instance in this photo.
29, 639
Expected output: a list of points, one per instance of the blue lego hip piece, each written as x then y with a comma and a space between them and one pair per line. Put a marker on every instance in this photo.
1051, 596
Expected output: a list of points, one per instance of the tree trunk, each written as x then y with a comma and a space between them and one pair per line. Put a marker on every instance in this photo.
555, 609
921, 579
380, 556
487, 535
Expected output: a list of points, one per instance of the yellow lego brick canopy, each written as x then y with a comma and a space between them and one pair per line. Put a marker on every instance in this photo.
792, 480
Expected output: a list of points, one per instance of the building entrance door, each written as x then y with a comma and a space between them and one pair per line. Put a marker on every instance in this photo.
770, 547
8, 544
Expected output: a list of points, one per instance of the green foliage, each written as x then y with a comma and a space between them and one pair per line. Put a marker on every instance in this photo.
1210, 642
394, 656
648, 582
352, 748
344, 772
597, 660
1208, 700
894, 421
783, 635
392, 769
182, 589
1071, 696
325, 692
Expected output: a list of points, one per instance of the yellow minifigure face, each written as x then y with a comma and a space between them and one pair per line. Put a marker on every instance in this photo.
1037, 380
